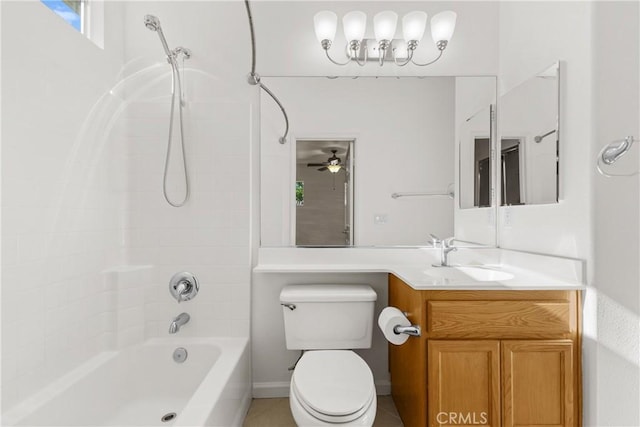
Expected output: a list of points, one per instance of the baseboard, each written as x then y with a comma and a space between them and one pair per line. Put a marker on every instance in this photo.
281, 389
383, 387
270, 390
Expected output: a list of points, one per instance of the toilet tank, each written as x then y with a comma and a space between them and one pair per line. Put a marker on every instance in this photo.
318, 317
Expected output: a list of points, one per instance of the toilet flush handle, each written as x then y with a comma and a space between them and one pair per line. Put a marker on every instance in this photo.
289, 306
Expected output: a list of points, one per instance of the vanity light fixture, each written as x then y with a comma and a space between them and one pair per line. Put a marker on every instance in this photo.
384, 28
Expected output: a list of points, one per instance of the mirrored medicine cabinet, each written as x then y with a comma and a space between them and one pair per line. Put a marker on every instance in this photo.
377, 161
530, 140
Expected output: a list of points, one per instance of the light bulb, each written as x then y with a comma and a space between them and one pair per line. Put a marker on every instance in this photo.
354, 24
442, 26
384, 25
325, 24
334, 168
413, 25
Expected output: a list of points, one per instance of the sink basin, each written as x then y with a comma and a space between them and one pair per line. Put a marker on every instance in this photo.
467, 274
483, 274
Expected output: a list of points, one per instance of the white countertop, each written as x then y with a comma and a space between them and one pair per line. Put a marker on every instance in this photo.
499, 269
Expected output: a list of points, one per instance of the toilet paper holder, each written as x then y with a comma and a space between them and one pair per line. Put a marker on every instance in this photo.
413, 330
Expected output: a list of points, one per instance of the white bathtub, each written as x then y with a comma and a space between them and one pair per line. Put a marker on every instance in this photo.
137, 386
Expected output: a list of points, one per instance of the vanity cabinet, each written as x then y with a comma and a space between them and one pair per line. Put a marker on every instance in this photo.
487, 358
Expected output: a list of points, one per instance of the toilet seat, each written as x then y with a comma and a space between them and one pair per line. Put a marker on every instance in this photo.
335, 386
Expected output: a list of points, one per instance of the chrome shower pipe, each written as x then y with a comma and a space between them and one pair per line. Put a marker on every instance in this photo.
254, 78
153, 23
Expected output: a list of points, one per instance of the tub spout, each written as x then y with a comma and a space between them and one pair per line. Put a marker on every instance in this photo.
176, 323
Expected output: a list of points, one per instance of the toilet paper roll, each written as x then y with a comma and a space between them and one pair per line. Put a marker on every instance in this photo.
389, 318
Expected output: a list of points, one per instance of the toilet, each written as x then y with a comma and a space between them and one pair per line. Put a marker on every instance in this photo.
331, 384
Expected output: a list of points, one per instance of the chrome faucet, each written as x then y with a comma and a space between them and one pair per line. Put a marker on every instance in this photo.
180, 320
446, 246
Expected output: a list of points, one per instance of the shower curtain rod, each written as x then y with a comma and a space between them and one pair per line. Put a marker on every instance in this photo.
254, 78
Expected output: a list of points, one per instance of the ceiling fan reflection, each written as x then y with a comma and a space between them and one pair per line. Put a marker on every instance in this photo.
333, 164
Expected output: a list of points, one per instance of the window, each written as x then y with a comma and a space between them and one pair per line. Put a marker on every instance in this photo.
299, 193
72, 11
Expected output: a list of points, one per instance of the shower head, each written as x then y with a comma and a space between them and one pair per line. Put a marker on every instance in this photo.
152, 22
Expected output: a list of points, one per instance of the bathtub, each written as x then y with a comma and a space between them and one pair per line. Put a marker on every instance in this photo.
139, 385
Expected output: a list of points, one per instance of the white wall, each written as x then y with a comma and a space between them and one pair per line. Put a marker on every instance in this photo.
533, 35
61, 194
209, 236
615, 384
404, 142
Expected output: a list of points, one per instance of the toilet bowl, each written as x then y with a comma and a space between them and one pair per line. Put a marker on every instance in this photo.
332, 387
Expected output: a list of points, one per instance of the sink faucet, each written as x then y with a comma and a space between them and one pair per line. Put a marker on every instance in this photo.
446, 246
180, 320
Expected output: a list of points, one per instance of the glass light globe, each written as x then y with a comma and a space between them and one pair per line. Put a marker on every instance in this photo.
325, 24
442, 26
413, 25
384, 25
354, 24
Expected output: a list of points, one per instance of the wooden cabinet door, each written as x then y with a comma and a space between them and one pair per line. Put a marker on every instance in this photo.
464, 383
538, 383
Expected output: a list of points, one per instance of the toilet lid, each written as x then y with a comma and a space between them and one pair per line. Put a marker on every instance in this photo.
335, 384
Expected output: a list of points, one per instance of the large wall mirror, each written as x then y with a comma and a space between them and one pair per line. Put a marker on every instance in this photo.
393, 145
530, 140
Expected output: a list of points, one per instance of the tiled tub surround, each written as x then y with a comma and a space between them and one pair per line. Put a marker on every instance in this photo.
62, 197
209, 236
416, 266
140, 384
82, 188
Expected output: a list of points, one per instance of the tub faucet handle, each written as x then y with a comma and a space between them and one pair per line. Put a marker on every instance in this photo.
183, 286
181, 289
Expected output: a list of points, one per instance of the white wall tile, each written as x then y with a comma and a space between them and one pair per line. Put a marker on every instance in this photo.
85, 193
58, 215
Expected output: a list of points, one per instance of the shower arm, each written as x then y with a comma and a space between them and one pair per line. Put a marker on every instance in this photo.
254, 78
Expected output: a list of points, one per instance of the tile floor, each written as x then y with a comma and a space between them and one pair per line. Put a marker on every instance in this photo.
276, 413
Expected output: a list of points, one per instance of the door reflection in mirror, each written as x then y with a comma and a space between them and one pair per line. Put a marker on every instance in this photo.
482, 161
475, 160
512, 178
325, 216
